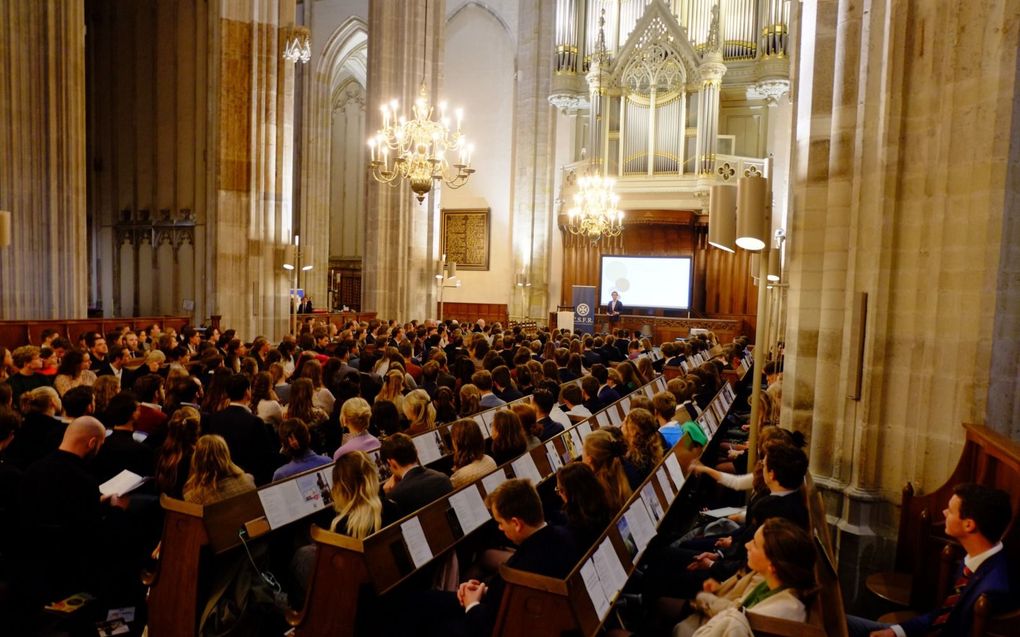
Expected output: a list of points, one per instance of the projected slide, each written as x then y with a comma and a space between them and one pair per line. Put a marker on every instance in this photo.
659, 282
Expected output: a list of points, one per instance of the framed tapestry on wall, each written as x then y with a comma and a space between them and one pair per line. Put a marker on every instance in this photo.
465, 237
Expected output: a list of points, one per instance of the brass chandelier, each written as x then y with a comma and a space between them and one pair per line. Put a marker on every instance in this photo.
421, 150
595, 214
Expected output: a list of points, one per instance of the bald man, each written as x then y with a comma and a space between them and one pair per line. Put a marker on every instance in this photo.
61, 517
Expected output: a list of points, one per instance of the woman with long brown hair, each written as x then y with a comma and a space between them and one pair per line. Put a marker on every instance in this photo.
214, 476
644, 445
508, 437
470, 461
585, 503
603, 452
470, 399
174, 461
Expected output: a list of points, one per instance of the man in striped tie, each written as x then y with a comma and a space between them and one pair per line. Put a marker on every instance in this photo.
977, 517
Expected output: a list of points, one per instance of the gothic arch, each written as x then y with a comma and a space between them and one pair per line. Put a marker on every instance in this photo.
492, 13
344, 60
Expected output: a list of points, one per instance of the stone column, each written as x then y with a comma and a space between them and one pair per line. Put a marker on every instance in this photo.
398, 265
900, 192
44, 272
533, 213
251, 165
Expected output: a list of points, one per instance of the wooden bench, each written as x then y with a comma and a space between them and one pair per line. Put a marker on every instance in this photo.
539, 606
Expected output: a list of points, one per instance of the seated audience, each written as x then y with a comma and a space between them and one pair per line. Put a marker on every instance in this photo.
356, 417
41, 431
174, 460
529, 421
781, 559
483, 381
411, 486
213, 475
264, 402
604, 451
294, 442
420, 414
644, 446
302, 407
470, 400
250, 441
121, 450
470, 461
385, 420
544, 403
73, 371
976, 517
508, 440
27, 360
571, 396
585, 503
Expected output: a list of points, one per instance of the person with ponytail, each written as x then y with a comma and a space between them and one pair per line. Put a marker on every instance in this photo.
295, 441
175, 453
603, 452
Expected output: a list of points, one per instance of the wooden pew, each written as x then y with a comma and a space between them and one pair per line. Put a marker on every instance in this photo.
539, 606
345, 566
988, 458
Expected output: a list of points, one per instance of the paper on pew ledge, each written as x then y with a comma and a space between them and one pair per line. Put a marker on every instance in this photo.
584, 429
640, 524
576, 441
493, 480
667, 487
723, 512
625, 405
609, 569
481, 425
602, 418
417, 543
675, 472
524, 468
614, 416
470, 509
554, 456
428, 448
123, 483
590, 577
652, 503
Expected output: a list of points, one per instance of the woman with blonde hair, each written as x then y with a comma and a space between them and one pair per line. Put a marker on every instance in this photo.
355, 416
214, 476
393, 389
359, 510
470, 400
176, 451
470, 461
419, 411
40, 432
603, 452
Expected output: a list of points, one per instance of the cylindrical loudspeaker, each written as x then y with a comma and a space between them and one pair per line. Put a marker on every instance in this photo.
751, 193
453, 269
722, 217
774, 267
755, 265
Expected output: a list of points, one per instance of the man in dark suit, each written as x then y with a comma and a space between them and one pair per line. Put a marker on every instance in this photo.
590, 393
251, 446
411, 486
977, 517
541, 548
121, 451
614, 308
591, 355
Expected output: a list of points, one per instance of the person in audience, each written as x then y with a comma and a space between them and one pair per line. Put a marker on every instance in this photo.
672, 428
393, 389
977, 517
411, 486
385, 419
541, 548
60, 499
41, 431
590, 393
105, 388
214, 476
79, 401
174, 459
151, 419
470, 462
10, 484
121, 451
503, 384
544, 403
118, 367
356, 417
529, 421
482, 379
98, 349
27, 361
509, 439
604, 451
419, 412
644, 446
73, 371
280, 385
360, 511
585, 503
470, 400
246, 435
572, 396
321, 397
302, 407
609, 391
264, 402
445, 405
294, 442
780, 582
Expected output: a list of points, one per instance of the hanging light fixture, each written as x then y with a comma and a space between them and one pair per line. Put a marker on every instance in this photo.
422, 148
595, 213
